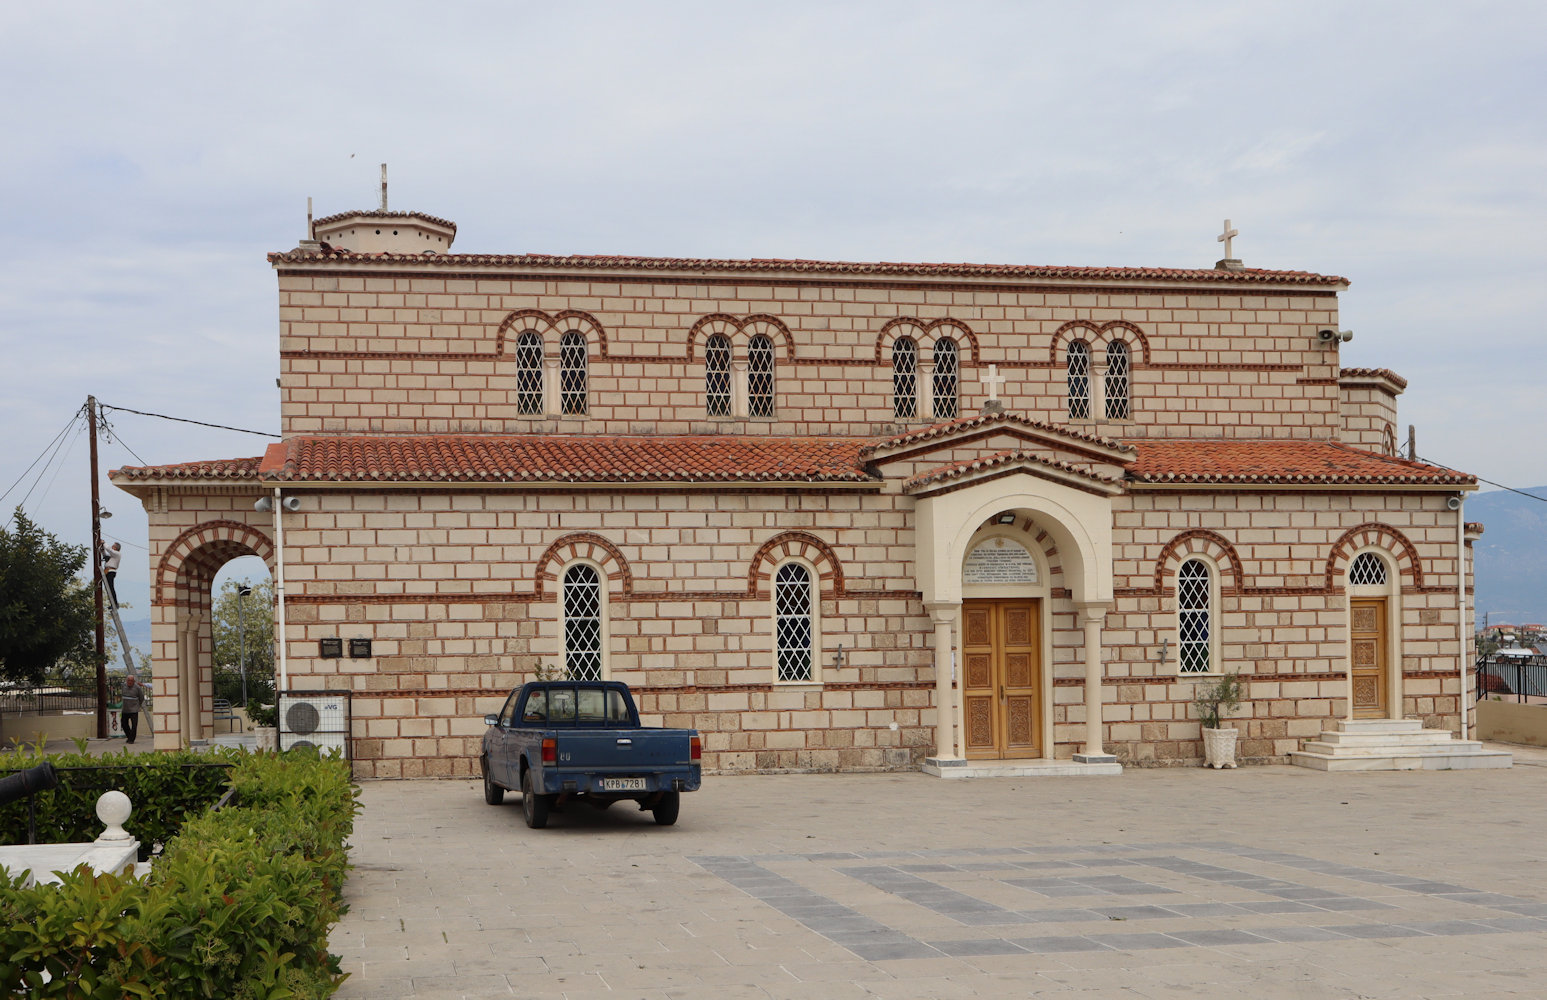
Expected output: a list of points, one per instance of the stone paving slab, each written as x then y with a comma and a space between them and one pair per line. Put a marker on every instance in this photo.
1268, 882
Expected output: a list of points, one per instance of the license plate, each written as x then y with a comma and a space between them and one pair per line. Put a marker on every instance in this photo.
623, 785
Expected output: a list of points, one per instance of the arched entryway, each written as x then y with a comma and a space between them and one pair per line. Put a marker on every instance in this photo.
182, 636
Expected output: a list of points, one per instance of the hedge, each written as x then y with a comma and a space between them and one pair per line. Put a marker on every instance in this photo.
165, 790
238, 905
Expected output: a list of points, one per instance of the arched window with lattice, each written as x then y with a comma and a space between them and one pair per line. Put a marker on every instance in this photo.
905, 379
795, 647
760, 376
583, 596
529, 373
1367, 570
572, 373
947, 369
1079, 380
1116, 386
1195, 617
717, 375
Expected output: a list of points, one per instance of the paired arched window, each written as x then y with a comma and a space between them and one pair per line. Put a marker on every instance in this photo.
794, 649
1079, 380
905, 379
1116, 383
582, 597
760, 376
947, 368
529, 374
717, 375
1195, 617
572, 373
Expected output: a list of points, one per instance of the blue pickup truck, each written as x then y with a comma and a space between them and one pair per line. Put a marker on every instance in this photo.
562, 741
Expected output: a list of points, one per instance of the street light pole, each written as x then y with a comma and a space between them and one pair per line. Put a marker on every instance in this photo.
241, 627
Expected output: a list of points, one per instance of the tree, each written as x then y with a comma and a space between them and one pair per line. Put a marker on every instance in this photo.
252, 616
46, 611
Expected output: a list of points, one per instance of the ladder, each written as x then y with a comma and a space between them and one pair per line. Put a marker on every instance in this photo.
123, 637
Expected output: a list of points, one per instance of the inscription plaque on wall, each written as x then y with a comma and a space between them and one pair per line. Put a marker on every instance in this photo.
999, 560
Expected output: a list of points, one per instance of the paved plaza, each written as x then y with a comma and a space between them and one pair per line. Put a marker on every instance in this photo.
1264, 882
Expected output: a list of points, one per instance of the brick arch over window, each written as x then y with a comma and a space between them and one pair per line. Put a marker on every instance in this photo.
1098, 335
795, 543
584, 545
552, 327
1380, 536
198, 553
740, 331
925, 335
1200, 541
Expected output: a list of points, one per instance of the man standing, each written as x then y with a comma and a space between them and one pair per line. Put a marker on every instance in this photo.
134, 700
111, 557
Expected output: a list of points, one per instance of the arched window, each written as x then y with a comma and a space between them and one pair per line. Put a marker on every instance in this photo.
792, 622
905, 378
1079, 380
572, 373
1194, 617
529, 373
944, 387
583, 623
760, 377
1117, 381
1367, 570
717, 375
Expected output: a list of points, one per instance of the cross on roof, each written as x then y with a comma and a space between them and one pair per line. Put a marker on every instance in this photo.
1225, 238
993, 380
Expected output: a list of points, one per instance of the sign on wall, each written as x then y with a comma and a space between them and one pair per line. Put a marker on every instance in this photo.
999, 560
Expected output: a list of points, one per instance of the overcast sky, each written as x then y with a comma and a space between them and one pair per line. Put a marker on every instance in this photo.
153, 154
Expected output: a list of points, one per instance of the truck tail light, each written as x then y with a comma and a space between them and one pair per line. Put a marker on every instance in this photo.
696, 748
550, 751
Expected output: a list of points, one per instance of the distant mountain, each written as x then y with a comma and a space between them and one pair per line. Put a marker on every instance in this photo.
1511, 556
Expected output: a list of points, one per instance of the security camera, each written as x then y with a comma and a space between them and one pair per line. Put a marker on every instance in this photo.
1454, 503
292, 504
264, 505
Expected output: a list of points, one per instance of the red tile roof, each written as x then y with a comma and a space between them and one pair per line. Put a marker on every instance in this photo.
987, 419
373, 213
1385, 373
568, 459
1196, 275
1280, 463
219, 468
994, 461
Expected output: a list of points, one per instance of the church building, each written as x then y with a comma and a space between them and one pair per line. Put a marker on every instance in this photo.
836, 516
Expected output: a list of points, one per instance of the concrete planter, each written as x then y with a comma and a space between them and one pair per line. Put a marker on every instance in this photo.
268, 737
1219, 747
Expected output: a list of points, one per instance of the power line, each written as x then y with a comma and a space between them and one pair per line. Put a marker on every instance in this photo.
59, 443
185, 420
35, 461
1490, 482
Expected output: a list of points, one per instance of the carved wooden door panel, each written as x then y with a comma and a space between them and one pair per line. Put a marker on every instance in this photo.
1367, 644
1001, 678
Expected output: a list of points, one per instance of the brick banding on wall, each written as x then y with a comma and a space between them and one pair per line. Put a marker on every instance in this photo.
204, 549
1376, 535
556, 325
583, 545
795, 544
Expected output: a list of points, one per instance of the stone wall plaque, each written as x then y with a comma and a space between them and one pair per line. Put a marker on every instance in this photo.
999, 560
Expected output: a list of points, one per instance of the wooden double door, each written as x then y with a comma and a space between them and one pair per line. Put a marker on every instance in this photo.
1002, 678
1367, 635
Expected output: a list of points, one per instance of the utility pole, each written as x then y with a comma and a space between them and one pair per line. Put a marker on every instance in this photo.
96, 572
241, 628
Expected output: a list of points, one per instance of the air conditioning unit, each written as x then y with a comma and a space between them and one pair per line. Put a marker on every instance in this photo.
314, 719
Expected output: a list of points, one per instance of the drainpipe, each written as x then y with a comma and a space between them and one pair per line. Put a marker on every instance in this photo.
279, 582
1461, 603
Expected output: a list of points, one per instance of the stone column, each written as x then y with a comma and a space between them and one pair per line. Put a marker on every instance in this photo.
926, 393
1091, 616
1098, 389
739, 389
944, 616
551, 386
188, 681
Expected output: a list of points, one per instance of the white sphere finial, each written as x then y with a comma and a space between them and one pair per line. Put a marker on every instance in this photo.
112, 809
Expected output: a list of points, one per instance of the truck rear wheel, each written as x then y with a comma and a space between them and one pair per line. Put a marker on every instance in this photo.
492, 793
665, 811
533, 806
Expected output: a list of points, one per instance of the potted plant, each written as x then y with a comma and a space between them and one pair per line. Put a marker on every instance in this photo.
264, 719
1213, 700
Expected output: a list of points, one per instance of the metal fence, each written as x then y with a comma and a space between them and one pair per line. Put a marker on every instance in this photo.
1512, 678
70, 695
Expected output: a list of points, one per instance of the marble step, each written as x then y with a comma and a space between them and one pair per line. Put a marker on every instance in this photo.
1402, 761
1422, 737
1378, 726
1430, 748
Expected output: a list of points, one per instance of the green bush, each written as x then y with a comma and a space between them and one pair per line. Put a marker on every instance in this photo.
164, 788
239, 905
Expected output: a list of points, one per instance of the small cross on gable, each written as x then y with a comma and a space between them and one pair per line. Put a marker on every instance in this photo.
993, 380
1225, 238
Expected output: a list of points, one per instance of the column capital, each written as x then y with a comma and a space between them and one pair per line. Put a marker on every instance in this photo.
943, 612
1093, 612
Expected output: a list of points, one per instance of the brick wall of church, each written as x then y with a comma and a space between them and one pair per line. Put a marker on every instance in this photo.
432, 354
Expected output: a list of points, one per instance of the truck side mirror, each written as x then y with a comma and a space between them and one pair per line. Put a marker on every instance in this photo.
491, 720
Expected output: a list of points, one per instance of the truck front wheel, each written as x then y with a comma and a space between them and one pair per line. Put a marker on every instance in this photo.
665, 811
533, 806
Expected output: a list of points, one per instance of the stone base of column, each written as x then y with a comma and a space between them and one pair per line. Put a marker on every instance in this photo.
1095, 758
